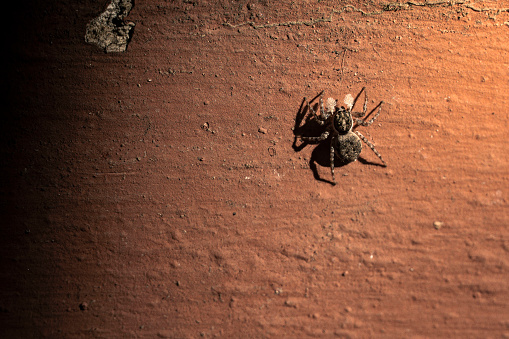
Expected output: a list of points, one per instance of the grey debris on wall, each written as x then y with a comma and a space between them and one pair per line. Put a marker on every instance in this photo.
109, 31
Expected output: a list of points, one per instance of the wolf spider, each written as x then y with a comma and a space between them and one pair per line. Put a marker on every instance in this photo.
344, 142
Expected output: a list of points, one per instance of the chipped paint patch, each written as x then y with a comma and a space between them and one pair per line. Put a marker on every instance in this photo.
109, 31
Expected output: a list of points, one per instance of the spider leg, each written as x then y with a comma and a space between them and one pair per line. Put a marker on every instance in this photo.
363, 122
363, 138
322, 137
318, 117
332, 153
323, 112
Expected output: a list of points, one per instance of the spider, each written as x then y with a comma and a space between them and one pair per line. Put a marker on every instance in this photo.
344, 142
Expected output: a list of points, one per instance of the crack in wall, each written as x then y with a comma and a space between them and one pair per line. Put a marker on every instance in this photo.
390, 7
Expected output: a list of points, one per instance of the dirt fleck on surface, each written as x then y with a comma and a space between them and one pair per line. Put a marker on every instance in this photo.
137, 185
438, 224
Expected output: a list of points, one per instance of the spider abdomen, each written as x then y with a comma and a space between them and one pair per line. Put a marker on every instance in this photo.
347, 147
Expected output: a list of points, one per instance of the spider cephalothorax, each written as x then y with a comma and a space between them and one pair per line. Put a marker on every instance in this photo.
342, 122
344, 142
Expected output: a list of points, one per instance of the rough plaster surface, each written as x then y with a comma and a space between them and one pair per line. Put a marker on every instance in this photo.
161, 193
109, 31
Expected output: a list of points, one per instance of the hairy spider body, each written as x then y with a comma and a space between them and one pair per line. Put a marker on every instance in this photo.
347, 147
344, 142
342, 120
